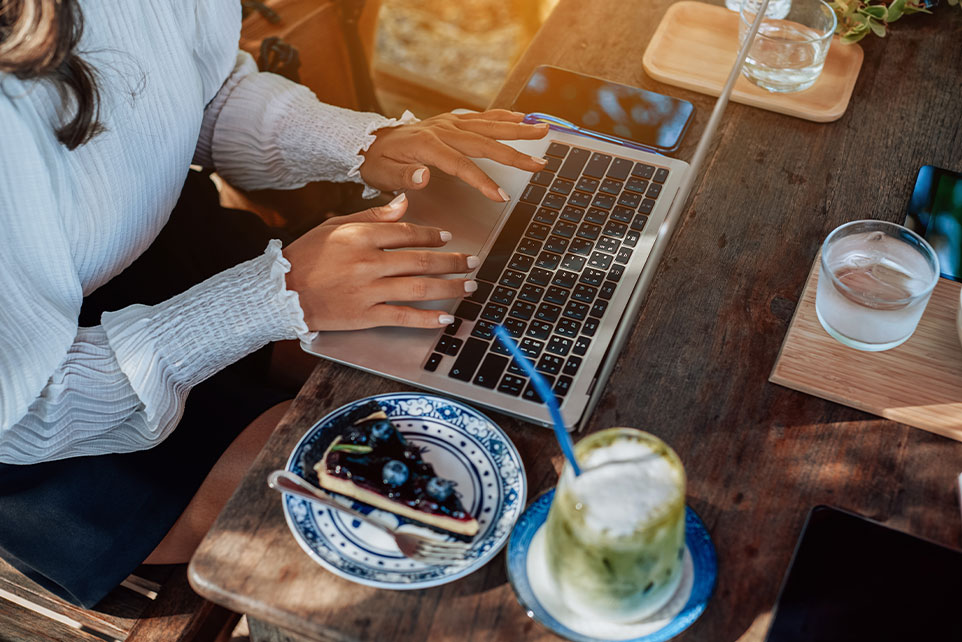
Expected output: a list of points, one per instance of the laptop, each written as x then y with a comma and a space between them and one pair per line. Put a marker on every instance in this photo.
560, 262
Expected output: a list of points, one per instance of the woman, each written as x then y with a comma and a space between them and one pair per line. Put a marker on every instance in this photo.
103, 105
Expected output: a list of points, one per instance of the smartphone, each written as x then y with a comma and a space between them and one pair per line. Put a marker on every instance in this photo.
651, 120
852, 578
935, 213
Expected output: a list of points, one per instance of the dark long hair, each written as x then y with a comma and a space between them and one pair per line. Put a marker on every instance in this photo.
38, 39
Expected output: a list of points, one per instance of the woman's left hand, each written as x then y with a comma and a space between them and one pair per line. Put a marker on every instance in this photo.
400, 156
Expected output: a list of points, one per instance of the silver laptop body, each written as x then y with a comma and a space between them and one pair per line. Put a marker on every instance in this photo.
420, 357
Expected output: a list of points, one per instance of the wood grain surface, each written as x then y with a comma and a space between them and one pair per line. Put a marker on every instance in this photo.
695, 47
695, 371
918, 383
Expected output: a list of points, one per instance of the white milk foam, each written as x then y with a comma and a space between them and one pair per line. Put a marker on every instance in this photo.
624, 485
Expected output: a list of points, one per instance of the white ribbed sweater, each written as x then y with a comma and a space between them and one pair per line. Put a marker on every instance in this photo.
174, 88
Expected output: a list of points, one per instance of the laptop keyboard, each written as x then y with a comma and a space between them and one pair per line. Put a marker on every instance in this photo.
548, 278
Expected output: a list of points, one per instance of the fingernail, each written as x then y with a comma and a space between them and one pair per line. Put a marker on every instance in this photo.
542, 126
396, 203
473, 262
419, 175
540, 161
445, 319
445, 236
470, 286
504, 195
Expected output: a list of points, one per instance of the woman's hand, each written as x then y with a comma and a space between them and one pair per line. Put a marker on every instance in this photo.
400, 156
344, 277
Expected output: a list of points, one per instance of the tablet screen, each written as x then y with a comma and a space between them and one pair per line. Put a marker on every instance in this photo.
853, 579
935, 212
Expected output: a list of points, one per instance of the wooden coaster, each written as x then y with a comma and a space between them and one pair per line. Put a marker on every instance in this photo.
919, 383
695, 46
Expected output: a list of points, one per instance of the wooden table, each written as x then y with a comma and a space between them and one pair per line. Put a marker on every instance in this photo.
696, 368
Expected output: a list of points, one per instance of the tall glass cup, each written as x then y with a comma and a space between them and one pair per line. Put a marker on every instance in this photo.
615, 535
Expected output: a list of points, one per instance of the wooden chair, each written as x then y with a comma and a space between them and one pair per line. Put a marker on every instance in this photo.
154, 605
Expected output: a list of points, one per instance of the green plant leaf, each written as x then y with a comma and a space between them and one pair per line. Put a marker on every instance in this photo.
877, 11
895, 10
877, 28
853, 37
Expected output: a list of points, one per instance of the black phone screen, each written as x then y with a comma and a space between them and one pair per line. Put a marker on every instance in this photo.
625, 112
935, 212
854, 579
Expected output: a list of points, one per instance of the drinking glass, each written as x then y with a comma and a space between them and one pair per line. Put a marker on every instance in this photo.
874, 282
615, 534
776, 8
788, 52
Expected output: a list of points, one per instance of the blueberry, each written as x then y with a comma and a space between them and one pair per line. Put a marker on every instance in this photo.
382, 430
439, 489
394, 473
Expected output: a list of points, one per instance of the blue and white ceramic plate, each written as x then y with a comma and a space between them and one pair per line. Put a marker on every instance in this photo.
463, 445
528, 574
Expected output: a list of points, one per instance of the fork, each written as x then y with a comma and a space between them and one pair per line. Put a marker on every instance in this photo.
413, 546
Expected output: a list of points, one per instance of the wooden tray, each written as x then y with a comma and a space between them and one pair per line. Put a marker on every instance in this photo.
695, 46
918, 383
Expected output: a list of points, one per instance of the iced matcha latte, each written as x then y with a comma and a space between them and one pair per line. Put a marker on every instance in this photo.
615, 534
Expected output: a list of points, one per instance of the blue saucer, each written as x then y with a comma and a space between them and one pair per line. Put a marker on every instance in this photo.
534, 590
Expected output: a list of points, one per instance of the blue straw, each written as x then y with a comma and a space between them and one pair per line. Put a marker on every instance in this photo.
544, 391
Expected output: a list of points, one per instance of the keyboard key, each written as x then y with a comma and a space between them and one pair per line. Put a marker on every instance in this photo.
558, 150
581, 247
646, 206
589, 185
661, 175
539, 276
538, 231
514, 327
629, 199
631, 238
564, 383
561, 186
615, 229
547, 313
467, 362
530, 348
609, 186
576, 310
571, 366
530, 247
584, 293
433, 362
589, 231
503, 295
452, 328
483, 330
573, 262
571, 168
512, 279
553, 164
556, 244
572, 214
600, 260
532, 193
620, 168
581, 346
550, 364
653, 191
624, 254
556, 295
568, 327
590, 326
596, 216
604, 201
599, 307
538, 330
592, 277
511, 385
542, 178
643, 171
490, 371
522, 310
529, 392
468, 310
531, 293
507, 240
520, 262
481, 294
579, 199
515, 369
607, 290
560, 345
565, 229
607, 245
622, 214
493, 312
565, 279
554, 201
636, 185
597, 165
499, 348
546, 216
616, 272
638, 224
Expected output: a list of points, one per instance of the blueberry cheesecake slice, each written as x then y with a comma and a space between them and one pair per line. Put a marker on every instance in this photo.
372, 462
